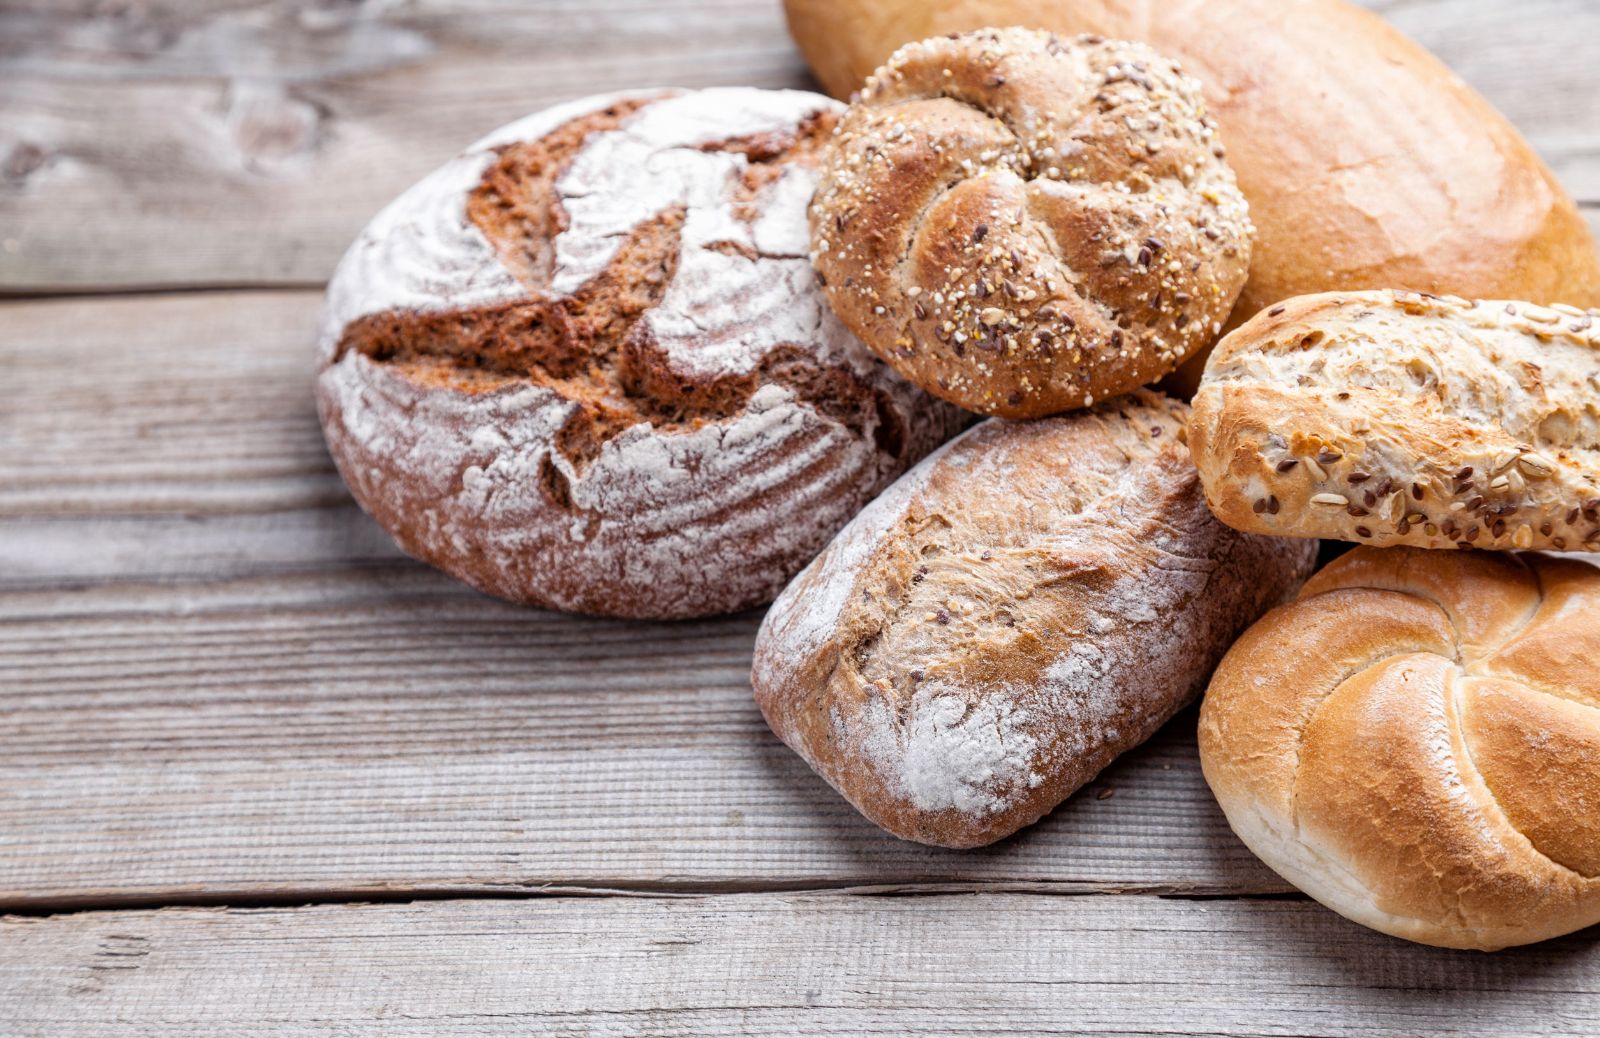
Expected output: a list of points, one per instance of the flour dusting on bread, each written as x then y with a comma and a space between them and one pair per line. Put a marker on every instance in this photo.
1020, 608
587, 364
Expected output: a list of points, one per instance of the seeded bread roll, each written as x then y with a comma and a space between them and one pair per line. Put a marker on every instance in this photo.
586, 364
1025, 605
1396, 418
1023, 224
1367, 163
1415, 743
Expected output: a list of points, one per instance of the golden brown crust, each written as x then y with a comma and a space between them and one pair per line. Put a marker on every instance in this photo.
1396, 418
1022, 223
1369, 166
1397, 745
1011, 615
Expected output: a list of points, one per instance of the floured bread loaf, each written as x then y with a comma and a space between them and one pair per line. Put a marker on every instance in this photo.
1394, 418
1023, 223
1019, 609
586, 364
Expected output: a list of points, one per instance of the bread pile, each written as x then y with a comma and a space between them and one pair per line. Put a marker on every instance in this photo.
668, 354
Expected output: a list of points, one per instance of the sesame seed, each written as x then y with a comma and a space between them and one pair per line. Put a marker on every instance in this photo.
1287, 463
1332, 500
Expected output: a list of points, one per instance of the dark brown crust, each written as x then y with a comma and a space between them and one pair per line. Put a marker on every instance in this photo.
446, 381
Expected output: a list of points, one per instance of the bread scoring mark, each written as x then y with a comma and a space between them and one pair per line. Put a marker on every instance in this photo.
592, 348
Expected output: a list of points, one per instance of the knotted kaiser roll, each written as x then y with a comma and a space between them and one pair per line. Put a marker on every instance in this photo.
1023, 223
1415, 742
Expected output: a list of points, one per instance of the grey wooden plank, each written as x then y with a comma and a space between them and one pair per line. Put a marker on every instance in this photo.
372, 730
191, 405
246, 142
220, 678
193, 143
774, 965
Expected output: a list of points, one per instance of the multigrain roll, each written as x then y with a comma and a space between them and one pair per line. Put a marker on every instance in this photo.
1367, 163
1023, 223
1398, 418
586, 364
1415, 743
1025, 605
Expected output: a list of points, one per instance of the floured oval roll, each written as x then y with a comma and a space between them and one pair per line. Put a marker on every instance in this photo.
1415, 742
1012, 614
587, 365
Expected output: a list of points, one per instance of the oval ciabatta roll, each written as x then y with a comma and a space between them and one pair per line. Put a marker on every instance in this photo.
1396, 418
586, 364
1022, 607
1415, 742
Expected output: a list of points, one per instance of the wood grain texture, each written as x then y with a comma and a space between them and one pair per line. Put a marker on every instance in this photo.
219, 682
775, 965
340, 733
188, 143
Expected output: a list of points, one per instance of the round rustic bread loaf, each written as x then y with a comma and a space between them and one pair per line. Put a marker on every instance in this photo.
586, 364
1009, 617
1415, 743
1023, 224
1397, 418
1367, 163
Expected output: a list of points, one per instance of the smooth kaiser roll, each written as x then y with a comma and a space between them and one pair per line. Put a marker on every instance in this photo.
1415, 742
1025, 605
1366, 162
587, 365
1395, 418
1023, 224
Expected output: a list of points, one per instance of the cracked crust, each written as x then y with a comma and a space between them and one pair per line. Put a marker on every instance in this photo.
1010, 616
1392, 418
1415, 742
1023, 224
586, 365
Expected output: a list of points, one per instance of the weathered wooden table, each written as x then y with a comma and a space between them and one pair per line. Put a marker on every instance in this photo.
260, 774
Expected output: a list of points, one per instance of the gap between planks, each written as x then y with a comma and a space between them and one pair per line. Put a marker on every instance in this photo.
973, 965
